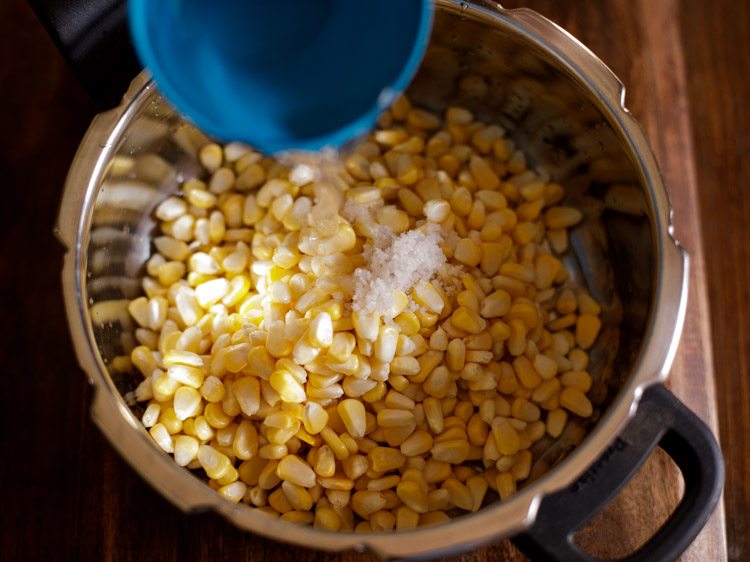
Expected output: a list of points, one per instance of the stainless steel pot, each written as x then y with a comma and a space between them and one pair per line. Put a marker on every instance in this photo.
565, 109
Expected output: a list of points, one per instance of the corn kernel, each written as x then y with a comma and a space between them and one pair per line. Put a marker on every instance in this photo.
468, 320
572, 399
587, 330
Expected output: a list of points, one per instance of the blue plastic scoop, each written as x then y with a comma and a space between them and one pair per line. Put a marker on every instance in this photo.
281, 74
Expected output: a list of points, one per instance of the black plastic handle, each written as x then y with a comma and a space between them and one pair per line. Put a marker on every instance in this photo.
94, 38
661, 420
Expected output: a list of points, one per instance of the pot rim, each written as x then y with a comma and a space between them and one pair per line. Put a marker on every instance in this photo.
190, 494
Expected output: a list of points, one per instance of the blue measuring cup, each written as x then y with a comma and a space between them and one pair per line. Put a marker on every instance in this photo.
281, 75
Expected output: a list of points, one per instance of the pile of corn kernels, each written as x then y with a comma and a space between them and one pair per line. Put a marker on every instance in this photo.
260, 373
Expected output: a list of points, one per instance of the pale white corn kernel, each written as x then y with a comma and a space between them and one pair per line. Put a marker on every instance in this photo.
385, 345
320, 333
436, 210
171, 209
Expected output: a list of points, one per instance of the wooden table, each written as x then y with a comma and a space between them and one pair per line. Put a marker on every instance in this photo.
69, 496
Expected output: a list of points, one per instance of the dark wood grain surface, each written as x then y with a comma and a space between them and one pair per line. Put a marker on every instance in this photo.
67, 494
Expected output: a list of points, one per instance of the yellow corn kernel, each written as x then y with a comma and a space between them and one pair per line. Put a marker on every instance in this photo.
384, 483
587, 329
247, 393
527, 375
587, 305
293, 469
422, 119
524, 410
216, 417
352, 413
477, 430
335, 443
213, 462
406, 518
572, 399
475, 220
245, 443
577, 379
297, 496
407, 322
267, 478
428, 361
438, 383
458, 116
382, 521
439, 340
556, 420
410, 202
391, 417
483, 174
562, 322
460, 495
376, 393
506, 437
434, 414
433, 518
390, 137
342, 346
298, 517
417, 443
326, 519
566, 302
453, 451
545, 366
325, 462
468, 299
314, 417
468, 320
468, 252
546, 269
456, 355
522, 467
278, 501
524, 311
546, 390
461, 202
553, 193
413, 496
274, 451
355, 466
405, 366
425, 294
366, 502
562, 217
289, 389
187, 375
407, 172
506, 485
579, 359
383, 459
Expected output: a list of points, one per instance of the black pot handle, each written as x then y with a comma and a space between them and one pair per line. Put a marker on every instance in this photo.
661, 420
94, 38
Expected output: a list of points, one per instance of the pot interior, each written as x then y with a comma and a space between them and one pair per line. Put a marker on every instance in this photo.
475, 60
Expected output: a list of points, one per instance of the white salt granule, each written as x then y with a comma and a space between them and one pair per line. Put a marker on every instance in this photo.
411, 257
363, 211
